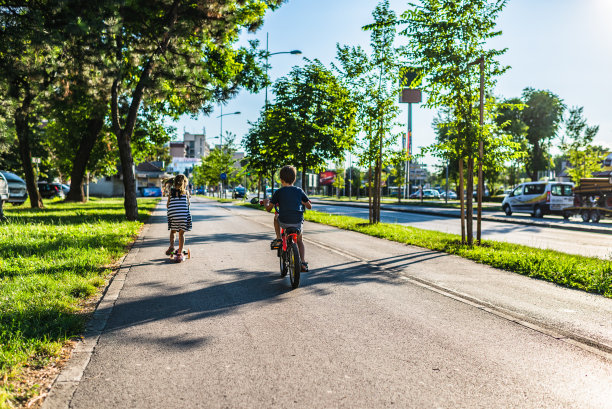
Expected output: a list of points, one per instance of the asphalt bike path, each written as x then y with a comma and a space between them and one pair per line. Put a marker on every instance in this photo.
373, 324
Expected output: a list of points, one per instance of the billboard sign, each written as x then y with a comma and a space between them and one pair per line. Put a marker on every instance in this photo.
327, 178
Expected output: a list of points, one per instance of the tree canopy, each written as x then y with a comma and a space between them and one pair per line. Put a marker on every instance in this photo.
311, 121
446, 38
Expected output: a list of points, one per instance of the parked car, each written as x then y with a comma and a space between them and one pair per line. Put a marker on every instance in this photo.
427, 194
539, 198
65, 189
18, 191
152, 192
50, 190
431, 194
239, 192
451, 194
4, 195
4, 189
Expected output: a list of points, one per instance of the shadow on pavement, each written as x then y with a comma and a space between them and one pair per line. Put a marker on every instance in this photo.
241, 288
208, 301
194, 239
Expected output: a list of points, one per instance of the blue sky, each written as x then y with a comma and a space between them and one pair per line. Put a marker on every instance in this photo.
564, 46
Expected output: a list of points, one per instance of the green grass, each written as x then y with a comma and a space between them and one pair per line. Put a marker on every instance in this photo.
50, 261
584, 273
452, 204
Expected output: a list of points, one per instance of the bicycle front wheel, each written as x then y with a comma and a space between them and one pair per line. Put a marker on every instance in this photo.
295, 265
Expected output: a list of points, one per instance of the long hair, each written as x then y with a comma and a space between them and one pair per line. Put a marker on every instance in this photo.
180, 184
167, 185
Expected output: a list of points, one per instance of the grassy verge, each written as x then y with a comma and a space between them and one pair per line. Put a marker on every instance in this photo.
51, 261
584, 273
452, 204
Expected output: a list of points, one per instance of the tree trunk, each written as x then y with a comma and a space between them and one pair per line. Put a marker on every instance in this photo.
304, 187
461, 200
370, 193
377, 191
81, 159
130, 202
124, 134
22, 127
470, 195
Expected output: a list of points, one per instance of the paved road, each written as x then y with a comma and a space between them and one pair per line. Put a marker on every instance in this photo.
374, 324
568, 241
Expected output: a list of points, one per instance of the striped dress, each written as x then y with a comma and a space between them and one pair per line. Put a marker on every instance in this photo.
179, 217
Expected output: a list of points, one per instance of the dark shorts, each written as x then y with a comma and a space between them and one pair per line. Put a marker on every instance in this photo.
288, 225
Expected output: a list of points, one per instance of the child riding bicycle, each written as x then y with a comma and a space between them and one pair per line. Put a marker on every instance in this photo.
291, 201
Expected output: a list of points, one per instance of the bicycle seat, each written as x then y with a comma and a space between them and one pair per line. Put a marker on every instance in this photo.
291, 230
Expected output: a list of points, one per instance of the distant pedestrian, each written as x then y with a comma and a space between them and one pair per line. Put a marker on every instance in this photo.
179, 216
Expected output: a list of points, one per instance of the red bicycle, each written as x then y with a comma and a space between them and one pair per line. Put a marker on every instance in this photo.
289, 256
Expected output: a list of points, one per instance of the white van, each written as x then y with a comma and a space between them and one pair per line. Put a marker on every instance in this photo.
540, 198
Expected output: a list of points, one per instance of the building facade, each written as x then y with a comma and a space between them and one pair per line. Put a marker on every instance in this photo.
195, 145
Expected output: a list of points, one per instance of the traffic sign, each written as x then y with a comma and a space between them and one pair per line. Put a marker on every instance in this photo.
223, 176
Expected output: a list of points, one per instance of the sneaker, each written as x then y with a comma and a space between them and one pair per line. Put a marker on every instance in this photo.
304, 267
169, 251
180, 258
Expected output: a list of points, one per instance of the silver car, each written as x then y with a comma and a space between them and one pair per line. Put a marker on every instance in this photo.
4, 189
18, 192
4, 194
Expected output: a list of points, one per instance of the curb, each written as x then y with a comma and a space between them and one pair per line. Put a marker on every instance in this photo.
599, 230
64, 386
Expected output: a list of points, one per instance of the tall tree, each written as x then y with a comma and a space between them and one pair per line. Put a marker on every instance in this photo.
262, 148
29, 53
577, 145
543, 115
9, 158
373, 80
445, 38
220, 160
178, 54
311, 120
510, 122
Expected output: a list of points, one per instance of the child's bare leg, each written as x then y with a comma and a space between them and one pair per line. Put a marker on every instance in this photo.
301, 247
277, 227
172, 232
181, 238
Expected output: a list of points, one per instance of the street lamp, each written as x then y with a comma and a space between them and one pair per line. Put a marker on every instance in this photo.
268, 54
221, 128
221, 136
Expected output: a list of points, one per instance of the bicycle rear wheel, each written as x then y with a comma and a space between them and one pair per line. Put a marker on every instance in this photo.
282, 259
295, 265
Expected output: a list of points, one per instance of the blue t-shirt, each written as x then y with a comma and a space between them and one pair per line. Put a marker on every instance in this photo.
289, 200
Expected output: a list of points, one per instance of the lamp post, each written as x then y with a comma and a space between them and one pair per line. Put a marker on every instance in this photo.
221, 127
268, 54
221, 137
